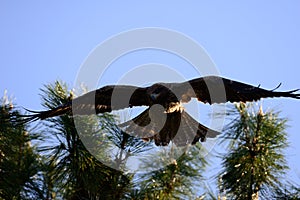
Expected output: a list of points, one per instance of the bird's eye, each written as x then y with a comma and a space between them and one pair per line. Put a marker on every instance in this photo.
154, 96
156, 93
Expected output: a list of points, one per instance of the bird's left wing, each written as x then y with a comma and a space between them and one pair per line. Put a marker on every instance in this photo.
214, 89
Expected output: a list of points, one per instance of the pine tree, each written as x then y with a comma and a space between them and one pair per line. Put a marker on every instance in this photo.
179, 177
73, 172
19, 162
255, 163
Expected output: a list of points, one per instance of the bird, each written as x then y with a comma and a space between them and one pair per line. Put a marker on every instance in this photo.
165, 118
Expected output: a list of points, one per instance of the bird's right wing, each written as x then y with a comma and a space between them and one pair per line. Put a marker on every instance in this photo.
108, 98
102, 100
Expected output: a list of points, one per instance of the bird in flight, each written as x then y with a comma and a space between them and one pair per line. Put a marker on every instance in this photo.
165, 119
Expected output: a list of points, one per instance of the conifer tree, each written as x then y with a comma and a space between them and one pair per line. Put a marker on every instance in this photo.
255, 164
20, 163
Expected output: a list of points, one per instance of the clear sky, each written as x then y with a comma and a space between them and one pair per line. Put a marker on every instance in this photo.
255, 42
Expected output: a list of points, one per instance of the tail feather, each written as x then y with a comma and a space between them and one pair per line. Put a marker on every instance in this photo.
195, 131
181, 128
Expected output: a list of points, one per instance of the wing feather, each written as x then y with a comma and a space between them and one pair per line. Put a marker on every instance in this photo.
214, 89
108, 98
102, 100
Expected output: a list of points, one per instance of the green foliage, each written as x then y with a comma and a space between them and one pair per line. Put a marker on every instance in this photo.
290, 192
255, 163
19, 162
179, 176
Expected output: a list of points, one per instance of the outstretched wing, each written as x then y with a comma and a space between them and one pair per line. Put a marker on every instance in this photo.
213, 89
102, 100
180, 128
108, 98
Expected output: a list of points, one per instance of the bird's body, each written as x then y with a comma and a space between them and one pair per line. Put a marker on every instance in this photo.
169, 121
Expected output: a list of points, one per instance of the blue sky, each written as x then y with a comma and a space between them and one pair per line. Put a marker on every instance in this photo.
254, 42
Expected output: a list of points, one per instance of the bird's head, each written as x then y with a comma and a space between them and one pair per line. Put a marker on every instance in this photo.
160, 94
157, 92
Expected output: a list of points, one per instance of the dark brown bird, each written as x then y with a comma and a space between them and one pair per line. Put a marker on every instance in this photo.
167, 122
